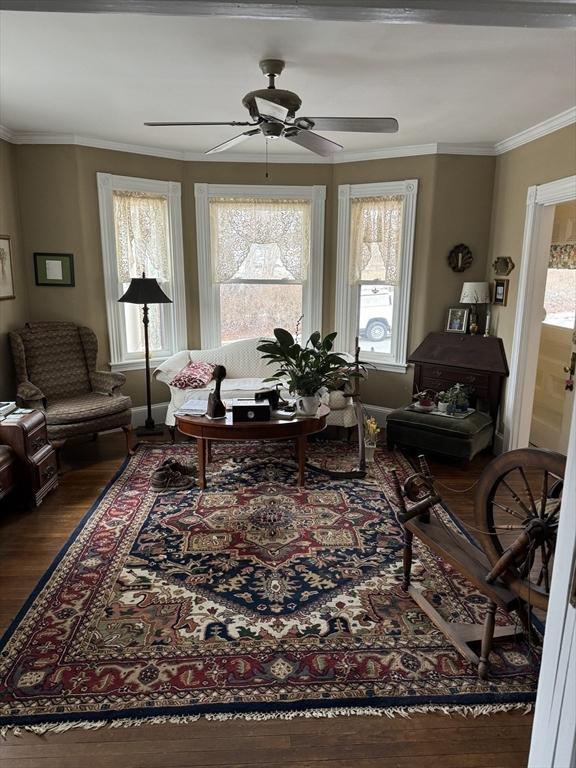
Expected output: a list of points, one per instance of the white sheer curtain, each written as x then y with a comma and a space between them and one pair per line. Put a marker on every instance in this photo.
375, 239
141, 222
259, 239
141, 227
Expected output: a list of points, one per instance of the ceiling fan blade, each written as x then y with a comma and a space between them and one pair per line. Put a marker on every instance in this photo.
359, 124
232, 142
232, 123
312, 141
271, 110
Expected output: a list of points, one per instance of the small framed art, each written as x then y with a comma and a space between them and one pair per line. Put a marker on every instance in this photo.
457, 320
6, 275
54, 269
500, 292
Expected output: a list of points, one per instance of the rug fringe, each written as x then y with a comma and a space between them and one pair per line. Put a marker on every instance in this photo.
472, 710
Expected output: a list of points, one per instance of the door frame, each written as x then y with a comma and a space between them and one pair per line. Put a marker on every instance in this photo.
540, 203
553, 742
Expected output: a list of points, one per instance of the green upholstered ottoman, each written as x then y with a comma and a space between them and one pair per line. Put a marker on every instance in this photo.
429, 433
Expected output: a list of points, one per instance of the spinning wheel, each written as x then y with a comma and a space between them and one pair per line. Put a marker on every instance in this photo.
516, 513
517, 505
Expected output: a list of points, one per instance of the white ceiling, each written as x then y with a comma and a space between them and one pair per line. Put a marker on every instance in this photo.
102, 76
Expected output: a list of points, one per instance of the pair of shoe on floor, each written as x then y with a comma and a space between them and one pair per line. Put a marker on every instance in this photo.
172, 475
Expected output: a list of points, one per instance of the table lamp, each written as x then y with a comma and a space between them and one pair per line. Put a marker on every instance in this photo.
145, 290
474, 294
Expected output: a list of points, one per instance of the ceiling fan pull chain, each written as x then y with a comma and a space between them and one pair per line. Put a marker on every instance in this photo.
267, 175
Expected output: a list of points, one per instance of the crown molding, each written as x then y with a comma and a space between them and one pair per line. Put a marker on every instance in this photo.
524, 137
537, 131
7, 135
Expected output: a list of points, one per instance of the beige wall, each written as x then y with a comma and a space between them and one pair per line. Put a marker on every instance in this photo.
547, 159
13, 312
58, 198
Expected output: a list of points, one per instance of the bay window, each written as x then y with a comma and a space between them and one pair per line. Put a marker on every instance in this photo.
259, 260
142, 233
374, 266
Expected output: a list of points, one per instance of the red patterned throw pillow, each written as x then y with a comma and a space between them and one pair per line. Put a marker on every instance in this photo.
193, 376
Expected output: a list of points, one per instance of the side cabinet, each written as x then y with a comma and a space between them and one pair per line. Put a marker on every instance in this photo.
36, 468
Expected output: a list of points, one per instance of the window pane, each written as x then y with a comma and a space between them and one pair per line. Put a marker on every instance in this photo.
247, 311
560, 297
376, 316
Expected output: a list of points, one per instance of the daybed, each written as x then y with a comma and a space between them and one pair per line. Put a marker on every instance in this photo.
245, 374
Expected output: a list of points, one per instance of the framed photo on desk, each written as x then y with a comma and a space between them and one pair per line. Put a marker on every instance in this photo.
457, 320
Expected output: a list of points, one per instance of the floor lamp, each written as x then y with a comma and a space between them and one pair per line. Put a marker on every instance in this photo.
145, 290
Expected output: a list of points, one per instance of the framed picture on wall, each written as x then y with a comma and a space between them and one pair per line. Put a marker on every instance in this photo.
457, 320
500, 292
6, 276
54, 269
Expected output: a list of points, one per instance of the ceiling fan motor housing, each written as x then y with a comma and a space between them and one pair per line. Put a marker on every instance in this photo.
287, 99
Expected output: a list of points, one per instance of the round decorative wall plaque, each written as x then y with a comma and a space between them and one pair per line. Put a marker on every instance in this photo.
460, 258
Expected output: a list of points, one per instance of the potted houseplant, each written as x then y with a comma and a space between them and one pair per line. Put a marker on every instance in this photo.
457, 399
424, 401
442, 401
371, 432
306, 369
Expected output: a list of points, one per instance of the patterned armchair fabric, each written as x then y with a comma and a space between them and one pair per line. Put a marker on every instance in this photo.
56, 372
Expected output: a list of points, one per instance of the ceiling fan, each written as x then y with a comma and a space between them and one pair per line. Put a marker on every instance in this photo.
273, 112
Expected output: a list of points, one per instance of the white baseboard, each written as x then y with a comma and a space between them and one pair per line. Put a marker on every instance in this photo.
498, 443
379, 412
140, 411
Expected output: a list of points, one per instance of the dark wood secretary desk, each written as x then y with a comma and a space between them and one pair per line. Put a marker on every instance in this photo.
478, 362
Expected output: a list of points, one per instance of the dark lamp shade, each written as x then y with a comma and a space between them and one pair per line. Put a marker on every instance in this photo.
145, 290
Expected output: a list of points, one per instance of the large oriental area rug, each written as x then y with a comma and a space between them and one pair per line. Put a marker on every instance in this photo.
254, 598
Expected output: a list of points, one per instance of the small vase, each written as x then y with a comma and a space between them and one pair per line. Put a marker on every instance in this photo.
307, 405
443, 407
369, 452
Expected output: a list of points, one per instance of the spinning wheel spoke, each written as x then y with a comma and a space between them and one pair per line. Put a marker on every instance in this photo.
516, 498
516, 514
530, 494
544, 496
509, 510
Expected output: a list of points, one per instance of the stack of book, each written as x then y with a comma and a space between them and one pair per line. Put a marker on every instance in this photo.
6, 408
192, 407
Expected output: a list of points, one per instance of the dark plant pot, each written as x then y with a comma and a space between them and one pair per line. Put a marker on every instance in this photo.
461, 408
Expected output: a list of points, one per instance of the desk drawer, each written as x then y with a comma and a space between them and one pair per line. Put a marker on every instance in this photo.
46, 470
438, 377
36, 440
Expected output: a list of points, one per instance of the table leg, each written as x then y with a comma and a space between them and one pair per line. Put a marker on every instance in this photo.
301, 441
201, 448
208, 451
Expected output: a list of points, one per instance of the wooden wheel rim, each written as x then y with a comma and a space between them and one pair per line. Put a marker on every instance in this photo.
498, 469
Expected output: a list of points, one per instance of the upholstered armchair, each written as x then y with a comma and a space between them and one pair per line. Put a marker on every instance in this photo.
56, 372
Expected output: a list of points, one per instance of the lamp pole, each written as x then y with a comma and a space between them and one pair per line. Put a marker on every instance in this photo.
149, 423
145, 290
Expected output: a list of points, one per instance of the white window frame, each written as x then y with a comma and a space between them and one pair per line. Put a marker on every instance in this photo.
347, 295
176, 312
210, 291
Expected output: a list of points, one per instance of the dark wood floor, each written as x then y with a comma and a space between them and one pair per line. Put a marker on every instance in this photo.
30, 540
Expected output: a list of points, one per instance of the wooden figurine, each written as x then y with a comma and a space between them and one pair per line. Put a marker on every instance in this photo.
216, 408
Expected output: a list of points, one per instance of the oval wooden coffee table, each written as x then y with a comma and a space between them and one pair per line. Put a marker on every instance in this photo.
205, 430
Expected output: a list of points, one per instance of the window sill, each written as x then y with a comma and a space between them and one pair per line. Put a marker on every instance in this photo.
381, 365
136, 365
